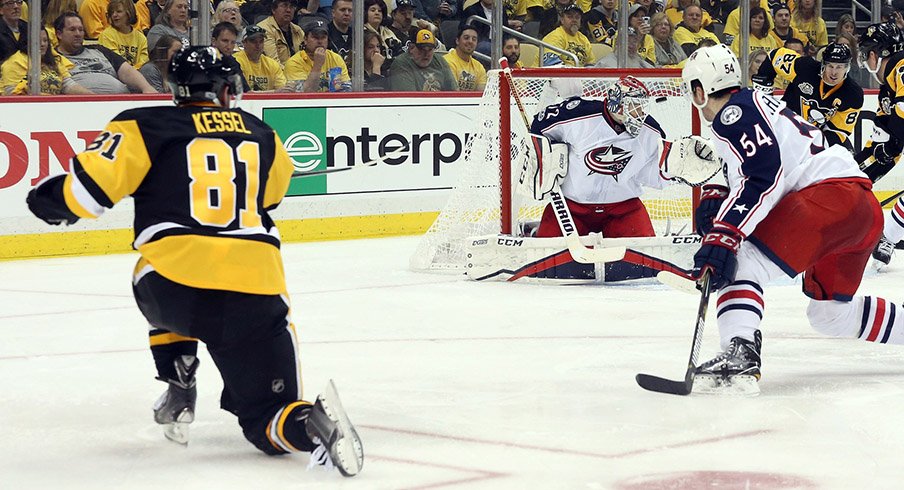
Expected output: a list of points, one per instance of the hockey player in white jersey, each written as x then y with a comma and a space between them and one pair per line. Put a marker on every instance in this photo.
794, 206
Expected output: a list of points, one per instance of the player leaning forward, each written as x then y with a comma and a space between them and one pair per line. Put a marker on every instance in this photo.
793, 206
204, 178
612, 148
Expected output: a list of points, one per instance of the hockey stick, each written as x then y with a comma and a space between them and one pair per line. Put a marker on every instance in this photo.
662, 385
579, 252
372, 163
894, 196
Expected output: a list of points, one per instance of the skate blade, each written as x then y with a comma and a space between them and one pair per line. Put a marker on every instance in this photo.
178, 431
740, 385
348, 452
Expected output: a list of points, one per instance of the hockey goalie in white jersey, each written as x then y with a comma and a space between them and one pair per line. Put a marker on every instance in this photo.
598, 154
613, 150
794, 205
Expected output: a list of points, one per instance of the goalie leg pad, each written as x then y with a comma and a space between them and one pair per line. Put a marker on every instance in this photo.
508, 258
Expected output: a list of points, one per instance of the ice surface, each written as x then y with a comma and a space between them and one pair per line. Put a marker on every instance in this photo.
451, 383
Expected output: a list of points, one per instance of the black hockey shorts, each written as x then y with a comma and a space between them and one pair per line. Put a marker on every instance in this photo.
249, 336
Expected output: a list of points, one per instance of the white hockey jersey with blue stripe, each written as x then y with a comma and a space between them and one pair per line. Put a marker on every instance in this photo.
768, 152
605, 165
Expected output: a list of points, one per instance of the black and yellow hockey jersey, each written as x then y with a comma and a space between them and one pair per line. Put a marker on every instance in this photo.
597, 26
834, 109
203, 179
890, 115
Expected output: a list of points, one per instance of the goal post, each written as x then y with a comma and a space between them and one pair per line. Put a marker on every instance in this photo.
487, 200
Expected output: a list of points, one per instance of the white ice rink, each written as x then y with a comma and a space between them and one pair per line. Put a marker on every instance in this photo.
452, 384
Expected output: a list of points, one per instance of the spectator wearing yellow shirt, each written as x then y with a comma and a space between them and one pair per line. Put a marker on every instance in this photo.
567, 37
262, 72
55, 77
806, 19
733, 20
511, 49
759, 34
470, 74
122, 37
676, 12
782, 31
315, 68
690, 31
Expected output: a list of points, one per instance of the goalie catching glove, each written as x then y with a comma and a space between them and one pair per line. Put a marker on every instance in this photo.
690, 160
546, 163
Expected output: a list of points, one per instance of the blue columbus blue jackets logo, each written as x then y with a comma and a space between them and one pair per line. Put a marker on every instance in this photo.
607, 160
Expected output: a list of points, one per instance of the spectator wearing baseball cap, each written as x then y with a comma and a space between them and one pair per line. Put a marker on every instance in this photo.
421, 69
315, 68
568, 37
263, 73
284, 38
405, 20
782, 30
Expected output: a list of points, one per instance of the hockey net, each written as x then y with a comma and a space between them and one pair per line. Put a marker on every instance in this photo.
486, 199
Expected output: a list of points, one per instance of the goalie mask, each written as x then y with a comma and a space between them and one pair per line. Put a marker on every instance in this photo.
627, 101
200, 74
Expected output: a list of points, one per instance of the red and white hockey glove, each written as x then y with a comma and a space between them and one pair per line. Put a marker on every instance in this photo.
711, 198
719, 254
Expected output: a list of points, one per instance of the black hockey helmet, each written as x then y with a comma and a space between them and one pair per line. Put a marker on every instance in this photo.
837, 53
884, 39
199, 74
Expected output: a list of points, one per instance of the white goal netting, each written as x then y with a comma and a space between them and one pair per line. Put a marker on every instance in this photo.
486, 200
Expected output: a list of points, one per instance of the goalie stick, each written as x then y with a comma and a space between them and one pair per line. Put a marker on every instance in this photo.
372, 163
662, 385
579, 252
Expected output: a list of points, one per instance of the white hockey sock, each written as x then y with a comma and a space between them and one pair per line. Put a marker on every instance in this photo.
894, 222
739, 311
882, 321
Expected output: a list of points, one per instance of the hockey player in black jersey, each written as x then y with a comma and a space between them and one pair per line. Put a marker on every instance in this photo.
204, 178
821, 93
882, 52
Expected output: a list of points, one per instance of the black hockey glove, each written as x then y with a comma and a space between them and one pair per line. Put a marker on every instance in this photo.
885, 153
762, 84
719, 254
884, 158
46, 201
711, 198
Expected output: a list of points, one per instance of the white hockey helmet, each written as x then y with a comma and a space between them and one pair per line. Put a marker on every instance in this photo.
715, 68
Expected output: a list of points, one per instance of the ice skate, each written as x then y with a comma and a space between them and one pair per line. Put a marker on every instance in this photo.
175, 408
328, 425
733, 372
883, 252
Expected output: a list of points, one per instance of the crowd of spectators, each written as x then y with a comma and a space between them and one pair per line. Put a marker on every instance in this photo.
122, 46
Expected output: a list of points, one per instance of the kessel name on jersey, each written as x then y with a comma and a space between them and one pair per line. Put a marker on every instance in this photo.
607, 160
